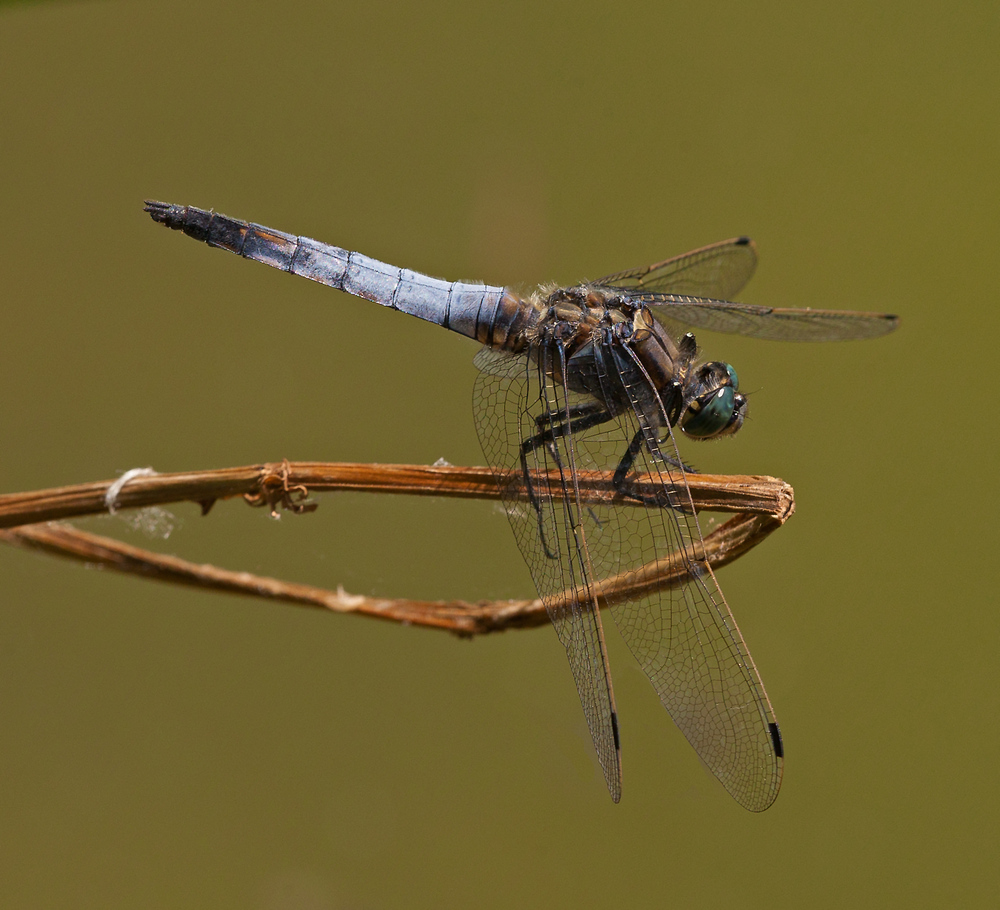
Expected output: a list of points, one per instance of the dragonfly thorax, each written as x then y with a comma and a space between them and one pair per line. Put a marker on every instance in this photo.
603, 346
607, 346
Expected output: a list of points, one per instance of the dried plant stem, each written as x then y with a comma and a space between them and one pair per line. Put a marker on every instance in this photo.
762, 505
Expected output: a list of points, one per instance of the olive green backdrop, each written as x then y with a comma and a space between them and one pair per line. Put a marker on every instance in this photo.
166, 748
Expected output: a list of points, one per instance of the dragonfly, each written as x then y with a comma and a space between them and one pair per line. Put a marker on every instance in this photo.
602, 376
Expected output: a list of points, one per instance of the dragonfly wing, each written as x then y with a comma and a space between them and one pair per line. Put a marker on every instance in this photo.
769, 323
684, 636
694, 290
550, 526
718, 270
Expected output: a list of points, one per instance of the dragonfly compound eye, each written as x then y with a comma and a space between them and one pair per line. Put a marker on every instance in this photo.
711, 414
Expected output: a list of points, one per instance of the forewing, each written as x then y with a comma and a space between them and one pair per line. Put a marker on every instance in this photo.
685, 638
769, 323
687, 642
549, 525
693, 290
718, 270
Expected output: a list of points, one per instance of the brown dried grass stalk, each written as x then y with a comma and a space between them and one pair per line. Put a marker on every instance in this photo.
761, 505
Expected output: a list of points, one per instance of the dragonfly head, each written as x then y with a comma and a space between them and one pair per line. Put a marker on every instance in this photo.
714, 405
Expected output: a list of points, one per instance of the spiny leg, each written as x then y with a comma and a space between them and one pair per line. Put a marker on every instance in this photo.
662, 498
548, 425
574, 419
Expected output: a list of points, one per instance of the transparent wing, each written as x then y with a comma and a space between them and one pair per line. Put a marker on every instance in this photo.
685, 638
548, 523
718, 270
693, 290
769, 323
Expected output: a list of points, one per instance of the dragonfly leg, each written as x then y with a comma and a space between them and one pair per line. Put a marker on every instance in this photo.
551, 428
680, 465
573, 420
664, 498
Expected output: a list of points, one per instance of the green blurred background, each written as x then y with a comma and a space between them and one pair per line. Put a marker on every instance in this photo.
166, 748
